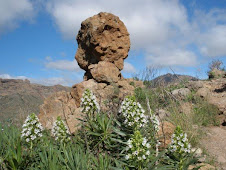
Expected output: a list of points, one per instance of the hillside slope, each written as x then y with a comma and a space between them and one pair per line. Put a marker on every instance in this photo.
18, 98
169, 78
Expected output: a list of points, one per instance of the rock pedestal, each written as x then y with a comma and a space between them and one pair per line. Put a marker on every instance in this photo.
103, 44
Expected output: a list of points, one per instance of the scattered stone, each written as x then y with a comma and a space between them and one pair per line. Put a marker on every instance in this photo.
162, 114
203, 166
194, 85
203, 92
181, 93
198, 153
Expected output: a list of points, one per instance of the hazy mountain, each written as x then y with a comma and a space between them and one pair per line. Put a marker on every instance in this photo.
169, 78
18, 98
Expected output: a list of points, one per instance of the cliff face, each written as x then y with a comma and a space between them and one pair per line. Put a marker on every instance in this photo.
18, 98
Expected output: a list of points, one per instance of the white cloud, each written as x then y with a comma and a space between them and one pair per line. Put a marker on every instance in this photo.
54, 81
65, 80
129, 68
209, 32
64, 65
161, 28
174, 58
13, 11
7, 76
48, 58
152, 24
214, 41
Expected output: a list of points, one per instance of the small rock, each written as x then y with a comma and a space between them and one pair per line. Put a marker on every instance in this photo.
105, 72
203, 92
162, 114
181, 93
166, 130
195, 85
204, 166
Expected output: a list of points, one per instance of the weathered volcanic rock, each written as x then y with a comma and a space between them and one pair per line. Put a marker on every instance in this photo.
102, 37
105, 72
103, 44
103, 91
61, 104
67, 104
166, 129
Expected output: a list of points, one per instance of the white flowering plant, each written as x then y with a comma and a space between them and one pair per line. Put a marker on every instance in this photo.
31, 129
98, 130
133, 113
154, 122
60, 131
179, 142
152, 131
137, 150
179, 151
89, 103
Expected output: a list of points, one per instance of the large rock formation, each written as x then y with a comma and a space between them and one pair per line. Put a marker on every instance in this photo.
103, 44
102, 37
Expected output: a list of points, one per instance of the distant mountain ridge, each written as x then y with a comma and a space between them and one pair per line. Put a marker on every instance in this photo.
169, 78
18, 98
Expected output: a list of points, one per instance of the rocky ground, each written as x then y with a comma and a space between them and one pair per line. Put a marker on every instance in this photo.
214, 140
215, 144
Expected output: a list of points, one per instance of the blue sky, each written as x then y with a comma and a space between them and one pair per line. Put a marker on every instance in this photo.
38, 37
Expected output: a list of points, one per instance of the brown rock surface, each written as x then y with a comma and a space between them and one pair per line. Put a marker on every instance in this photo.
104, 72
165, 132
61, 104
103, 44
203, 166
102, 37
181, 93
104, 91
214, 92
215, 144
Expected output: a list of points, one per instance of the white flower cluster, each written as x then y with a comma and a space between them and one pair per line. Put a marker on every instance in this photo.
137, 148
155, 122
179, 142
89, 102
133, 113
60, 131
32, 128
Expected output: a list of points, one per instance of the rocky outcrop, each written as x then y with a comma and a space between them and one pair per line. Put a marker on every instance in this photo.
214, 91
60, 104
103, 44
102, 37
